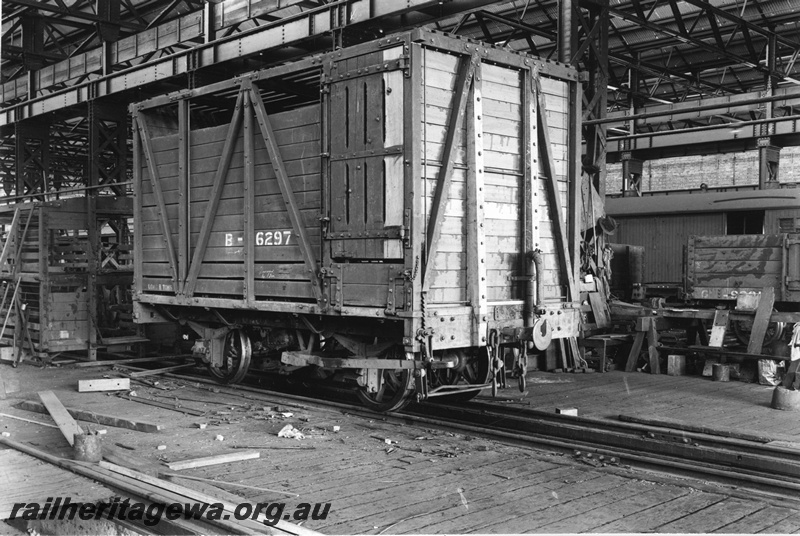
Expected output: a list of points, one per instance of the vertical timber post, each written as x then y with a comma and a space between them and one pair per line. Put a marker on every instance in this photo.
412, 161
138, 261
575, 177
476, 233
249, 200
184, 192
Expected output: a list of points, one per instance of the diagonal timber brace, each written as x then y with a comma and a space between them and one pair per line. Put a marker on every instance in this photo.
466, 74
220, 178
298, 226
140, 123
553, 195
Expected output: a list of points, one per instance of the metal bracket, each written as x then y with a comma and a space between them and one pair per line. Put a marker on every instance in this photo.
402, 62
368, 153
331, 288
388, 232
406, 233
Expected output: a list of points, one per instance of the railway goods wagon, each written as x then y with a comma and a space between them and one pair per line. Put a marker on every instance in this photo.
737, 270
66, 276
396, 215
732, 267
664, 224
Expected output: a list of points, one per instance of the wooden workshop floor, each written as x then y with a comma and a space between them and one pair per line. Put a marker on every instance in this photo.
425, 480
734, 405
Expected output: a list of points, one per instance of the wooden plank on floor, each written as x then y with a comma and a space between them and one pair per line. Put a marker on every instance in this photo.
25, 479
213, 460
647, 496
161, 484
97, 418
61, 416
756, 521
633, 355
719, 328
426, 496
714, 517
104, 384
503, 476
602, 500
661, 514
505, 515
761, 321
784, 526
600, 310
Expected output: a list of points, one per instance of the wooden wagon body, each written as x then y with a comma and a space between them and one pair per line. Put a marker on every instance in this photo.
395, 190
66, 279
732, 267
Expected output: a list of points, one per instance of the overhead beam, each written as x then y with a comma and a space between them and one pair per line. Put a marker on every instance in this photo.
67, 22
13, 52
291, 30
721, 133
697, 108
744, 23
689, 39
81, 15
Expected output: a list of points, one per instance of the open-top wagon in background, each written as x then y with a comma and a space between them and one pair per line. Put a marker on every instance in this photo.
395, 214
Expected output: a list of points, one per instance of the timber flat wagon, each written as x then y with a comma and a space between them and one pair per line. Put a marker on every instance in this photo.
394, 214
734, 250
730, 267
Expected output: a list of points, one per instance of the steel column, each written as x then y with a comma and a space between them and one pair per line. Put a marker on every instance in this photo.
32, 156
108, 145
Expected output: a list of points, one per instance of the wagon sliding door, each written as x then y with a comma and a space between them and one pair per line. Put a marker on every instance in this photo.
365, 191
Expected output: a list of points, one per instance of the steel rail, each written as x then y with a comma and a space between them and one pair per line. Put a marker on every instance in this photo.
719, 456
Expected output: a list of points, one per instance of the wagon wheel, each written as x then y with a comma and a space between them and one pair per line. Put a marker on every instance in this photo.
395, 390
742, 329
236, 354
472, 369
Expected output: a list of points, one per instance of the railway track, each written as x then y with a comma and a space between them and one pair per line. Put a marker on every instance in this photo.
750, 464
763, 466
